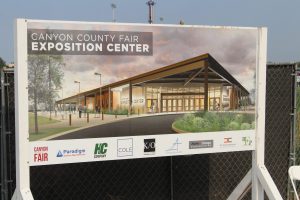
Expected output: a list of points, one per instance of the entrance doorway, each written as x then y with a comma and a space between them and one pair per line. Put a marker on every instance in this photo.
214, 103
182, 102
152, 105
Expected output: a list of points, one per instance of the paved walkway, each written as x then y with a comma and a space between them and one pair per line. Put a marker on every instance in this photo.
144, 125
110, 126
94, 119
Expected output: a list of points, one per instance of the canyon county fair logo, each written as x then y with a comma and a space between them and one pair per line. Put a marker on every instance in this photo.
125, 147
40, 154
149, 146
175, 147
100, 150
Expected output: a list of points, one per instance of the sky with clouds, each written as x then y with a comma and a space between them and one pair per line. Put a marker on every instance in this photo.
234, 49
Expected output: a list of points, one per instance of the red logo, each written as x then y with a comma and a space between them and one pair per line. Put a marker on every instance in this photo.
227, 140
40, 154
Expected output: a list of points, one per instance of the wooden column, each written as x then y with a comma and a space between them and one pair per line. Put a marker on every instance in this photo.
109, 99
233, 98
231, 102
221, 97
159, 100
239, 99
130, 99
145, 103
95, 101
144, 96
206, 86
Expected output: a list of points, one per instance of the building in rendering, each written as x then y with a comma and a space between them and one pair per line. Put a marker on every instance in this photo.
195, 84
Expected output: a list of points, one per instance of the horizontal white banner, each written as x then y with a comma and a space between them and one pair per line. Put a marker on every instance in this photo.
118, 148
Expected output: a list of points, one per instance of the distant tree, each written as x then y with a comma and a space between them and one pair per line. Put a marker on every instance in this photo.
2, 62
44, 78
253, 91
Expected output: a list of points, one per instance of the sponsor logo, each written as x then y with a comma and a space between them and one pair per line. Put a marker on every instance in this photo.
59, 154
40, 154
149, 146
70, 152
247, 141
227, 142
100, 150
175, 147
198, 144
125, 147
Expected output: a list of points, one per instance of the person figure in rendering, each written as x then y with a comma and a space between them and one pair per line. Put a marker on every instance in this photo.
80, 110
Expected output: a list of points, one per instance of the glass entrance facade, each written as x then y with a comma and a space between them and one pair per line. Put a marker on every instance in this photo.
182, 102
175, 98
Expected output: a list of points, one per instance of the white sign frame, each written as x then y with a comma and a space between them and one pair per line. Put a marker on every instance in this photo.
261, 179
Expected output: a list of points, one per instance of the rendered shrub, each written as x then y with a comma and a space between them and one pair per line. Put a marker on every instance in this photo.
201, 124
253, 125
225, 119
188, 117
245, 126
215, 121
239, 118
233, 126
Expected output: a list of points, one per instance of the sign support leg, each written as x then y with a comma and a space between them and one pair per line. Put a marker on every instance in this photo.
22, 191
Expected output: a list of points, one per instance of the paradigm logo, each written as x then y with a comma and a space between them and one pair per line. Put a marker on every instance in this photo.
100, 150
125, 147
198, 144
59, 154
149, 146
227, 142
247, 141
174, 147
70, 152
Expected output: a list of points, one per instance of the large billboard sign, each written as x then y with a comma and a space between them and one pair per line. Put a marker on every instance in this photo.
108, 91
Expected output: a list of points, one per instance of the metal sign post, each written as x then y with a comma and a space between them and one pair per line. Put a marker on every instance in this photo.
22, 191
260, 179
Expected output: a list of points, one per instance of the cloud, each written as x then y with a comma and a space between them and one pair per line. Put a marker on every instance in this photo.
234, 49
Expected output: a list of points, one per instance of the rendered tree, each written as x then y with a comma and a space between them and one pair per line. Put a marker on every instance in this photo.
44, 76
2, 62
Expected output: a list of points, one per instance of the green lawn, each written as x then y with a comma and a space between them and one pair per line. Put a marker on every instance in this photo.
44, 132
48, 132
41, 120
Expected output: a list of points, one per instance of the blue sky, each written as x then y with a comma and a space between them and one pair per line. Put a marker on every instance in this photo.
281, 17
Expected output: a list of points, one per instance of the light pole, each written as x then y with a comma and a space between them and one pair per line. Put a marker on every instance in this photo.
98, 74
113, 6
78, 91
151, 4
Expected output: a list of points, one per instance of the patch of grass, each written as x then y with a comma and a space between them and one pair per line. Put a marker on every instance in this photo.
119, 111
41, 120
212, 121
48, 132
